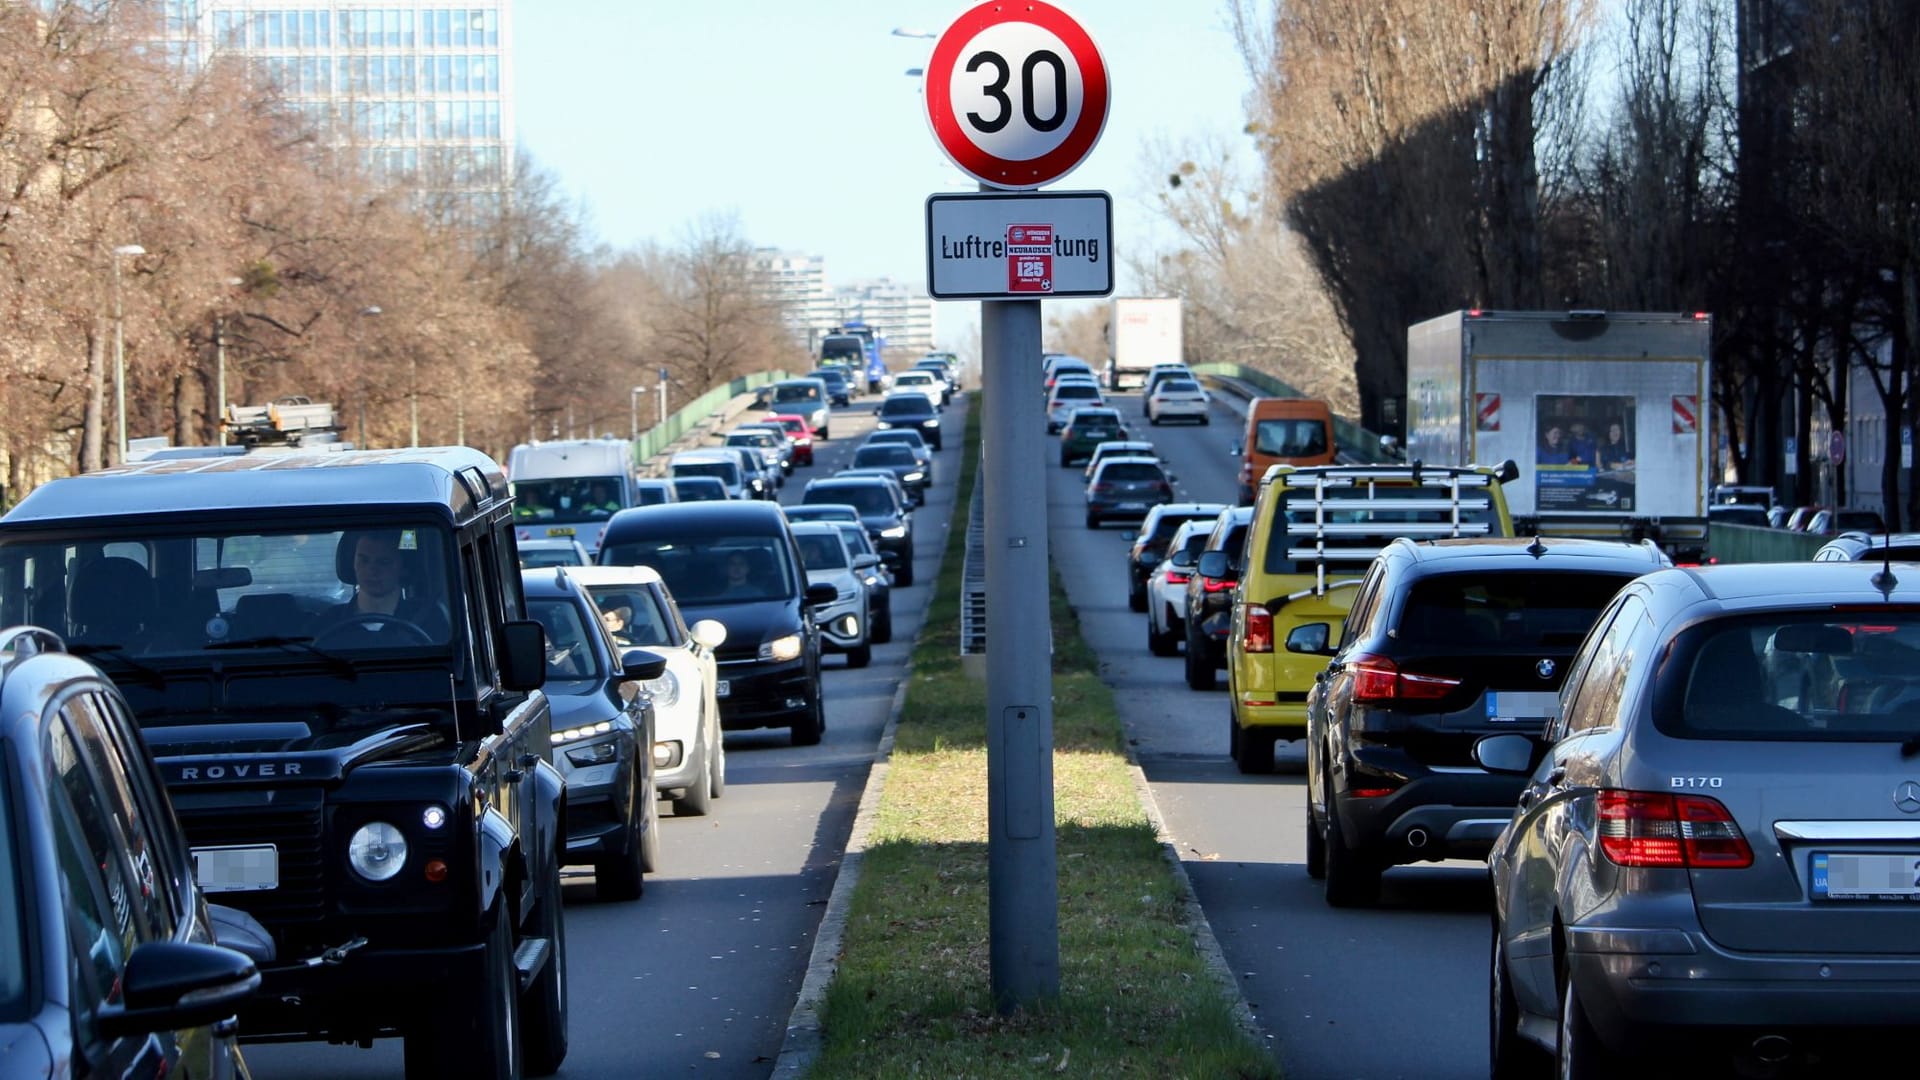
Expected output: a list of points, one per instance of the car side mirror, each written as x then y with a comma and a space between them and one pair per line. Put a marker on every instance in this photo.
523, 655
709, 633
1511, 754
1507, 472
169, 985
1173, 478
1312, 639
642, 665
865, 562
821, 593
1234, 451
1214, 564
1181, 559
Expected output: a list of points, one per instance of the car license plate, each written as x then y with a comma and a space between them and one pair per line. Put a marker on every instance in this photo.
237, 869
1839, 876
560, 530
721, 688
1133, 506
1515, 706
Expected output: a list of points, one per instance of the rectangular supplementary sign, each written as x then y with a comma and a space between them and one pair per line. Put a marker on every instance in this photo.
1019, 245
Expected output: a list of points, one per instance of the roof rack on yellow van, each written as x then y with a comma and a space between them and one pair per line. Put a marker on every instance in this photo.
1345, 499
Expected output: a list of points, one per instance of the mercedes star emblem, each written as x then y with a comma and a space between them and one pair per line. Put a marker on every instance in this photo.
1544, 669
1906, 797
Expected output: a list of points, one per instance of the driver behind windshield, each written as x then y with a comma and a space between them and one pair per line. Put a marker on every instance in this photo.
383, 568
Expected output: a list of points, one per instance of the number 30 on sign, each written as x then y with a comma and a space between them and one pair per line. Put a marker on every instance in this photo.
1016, 93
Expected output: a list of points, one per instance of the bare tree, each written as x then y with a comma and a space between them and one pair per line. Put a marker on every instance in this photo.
712, 321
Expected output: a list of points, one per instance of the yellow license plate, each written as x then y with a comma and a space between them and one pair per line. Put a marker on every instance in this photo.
560, 530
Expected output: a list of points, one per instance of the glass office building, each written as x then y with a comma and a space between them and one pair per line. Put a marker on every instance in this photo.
421, 93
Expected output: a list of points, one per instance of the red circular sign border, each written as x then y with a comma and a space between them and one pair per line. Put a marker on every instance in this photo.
949, 134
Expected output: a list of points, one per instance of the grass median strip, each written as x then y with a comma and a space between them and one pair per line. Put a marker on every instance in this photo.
912, 994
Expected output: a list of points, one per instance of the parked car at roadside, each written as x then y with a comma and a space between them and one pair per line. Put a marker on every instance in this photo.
111, 968
1446, 641
689, 750
1711, 866
602, 737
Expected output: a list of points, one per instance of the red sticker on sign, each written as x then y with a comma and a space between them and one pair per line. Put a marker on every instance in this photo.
1030, 258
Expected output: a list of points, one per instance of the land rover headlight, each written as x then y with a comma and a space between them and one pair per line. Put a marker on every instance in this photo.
377, 851
781, 648
664, 690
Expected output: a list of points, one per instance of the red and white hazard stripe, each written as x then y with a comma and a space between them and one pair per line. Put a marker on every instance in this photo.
1686, 409
1487, 412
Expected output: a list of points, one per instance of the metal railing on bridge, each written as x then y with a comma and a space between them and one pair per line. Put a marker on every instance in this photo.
708, 408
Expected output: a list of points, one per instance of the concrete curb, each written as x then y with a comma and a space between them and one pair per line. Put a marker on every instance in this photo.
1196, 919
804, 1038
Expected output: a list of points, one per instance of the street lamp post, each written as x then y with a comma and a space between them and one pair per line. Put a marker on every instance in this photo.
220, 374
119, 354
633, 411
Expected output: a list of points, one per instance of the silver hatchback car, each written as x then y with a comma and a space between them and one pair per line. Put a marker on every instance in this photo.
1718, 848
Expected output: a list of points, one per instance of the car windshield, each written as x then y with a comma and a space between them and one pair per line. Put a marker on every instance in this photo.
1290, 438
1801, 676
1520, 611
750, 438
1076, 391
724, 471
902, 436
822, 551
795, 426
789, 394
699, 488
566, 498
911, 405
856, 538
534, 557
651, 494
869, 499
13, 925
570, 655
822, 512
883, 455
1129, 472
209, 594
632, 616
1177, 386
710, 569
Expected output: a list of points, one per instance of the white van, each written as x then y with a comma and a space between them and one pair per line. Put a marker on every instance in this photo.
721, 463
568, 488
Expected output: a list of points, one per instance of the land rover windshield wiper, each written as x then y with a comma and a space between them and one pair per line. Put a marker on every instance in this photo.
118, 654
304, 645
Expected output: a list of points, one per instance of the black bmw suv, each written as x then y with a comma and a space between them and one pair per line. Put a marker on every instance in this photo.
1447, 641
736, 562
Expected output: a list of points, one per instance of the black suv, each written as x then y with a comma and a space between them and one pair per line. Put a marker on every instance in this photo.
736, 562
1209, 614
602, 735
330, 659
104, 931
913, 411
1150, 543
888, 520
1447, 641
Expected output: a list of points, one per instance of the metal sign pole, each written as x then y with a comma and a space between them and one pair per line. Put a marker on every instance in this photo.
1023, 904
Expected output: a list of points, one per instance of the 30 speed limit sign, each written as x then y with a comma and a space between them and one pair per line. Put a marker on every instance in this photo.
1016, 93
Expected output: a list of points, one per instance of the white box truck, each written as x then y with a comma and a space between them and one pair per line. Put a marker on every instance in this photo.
1606, 414
570, 487
1141, 332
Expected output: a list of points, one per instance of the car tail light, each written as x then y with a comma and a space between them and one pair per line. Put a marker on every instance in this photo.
1376, 678
1174, 577
1100, 489
1215, 584
1166, 489
1656, 829
1259, 634
1371, 792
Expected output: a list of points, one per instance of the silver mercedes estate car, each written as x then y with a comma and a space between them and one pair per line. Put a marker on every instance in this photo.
1717, 851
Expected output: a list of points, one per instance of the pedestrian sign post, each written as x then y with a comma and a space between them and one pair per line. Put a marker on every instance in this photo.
1017, 96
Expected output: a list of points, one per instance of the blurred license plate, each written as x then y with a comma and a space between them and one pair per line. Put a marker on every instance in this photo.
1866, 877
1514, 706
721, 688
237, 869
560, 530
1133, 506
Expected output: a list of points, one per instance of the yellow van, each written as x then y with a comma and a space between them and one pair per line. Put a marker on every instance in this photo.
1283, 431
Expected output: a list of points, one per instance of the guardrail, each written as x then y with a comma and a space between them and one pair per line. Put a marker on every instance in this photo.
707, 408
973, 582
1357, 445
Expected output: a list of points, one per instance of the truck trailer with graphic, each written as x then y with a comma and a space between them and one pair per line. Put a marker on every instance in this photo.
1605, 412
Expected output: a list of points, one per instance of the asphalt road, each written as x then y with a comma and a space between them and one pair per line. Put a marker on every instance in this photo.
697, 978
1395, 992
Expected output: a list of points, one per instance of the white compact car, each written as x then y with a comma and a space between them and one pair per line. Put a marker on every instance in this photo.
923, 382
843, 624
1167, 588
689, 755
1177, 399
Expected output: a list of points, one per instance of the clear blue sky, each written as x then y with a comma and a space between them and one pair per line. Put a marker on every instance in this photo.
797, 118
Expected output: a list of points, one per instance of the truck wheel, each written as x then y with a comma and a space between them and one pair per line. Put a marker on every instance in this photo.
860, 655
475, 1034
543, 1011
806, 728
622, 876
